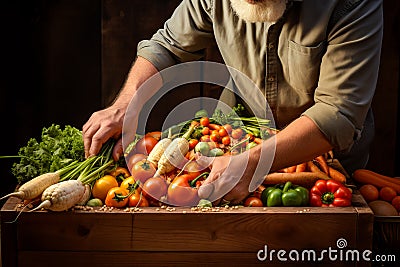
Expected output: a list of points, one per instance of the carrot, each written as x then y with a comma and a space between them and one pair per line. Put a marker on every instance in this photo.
301, 167
336, 175
214, 126
306, 179
258, 140
322, 163
314, 168
384, 177
364, 176
290, 169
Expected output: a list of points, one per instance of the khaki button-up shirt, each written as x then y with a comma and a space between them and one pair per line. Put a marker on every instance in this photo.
305, 64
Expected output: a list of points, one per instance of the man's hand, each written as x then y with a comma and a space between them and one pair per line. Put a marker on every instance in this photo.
107, 123
101, 126
230, 179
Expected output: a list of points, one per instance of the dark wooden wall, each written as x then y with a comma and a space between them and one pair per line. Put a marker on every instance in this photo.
64, 59
51, 70
385, 151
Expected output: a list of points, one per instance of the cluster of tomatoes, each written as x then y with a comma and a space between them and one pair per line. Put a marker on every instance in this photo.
118, 189
211, 139
139, 188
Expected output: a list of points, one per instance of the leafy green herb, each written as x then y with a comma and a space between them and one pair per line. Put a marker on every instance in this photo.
56, 149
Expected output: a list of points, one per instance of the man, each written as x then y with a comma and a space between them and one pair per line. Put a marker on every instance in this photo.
316, 63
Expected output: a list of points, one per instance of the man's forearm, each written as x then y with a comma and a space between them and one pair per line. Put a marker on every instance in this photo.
141, 71
299, 142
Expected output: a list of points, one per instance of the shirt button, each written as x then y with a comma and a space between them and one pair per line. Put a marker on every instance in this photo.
270, 46
271, 79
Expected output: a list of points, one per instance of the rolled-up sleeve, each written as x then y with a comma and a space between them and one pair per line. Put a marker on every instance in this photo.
348, 75
184, 37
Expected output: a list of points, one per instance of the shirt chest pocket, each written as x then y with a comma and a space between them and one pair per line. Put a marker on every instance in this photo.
303, 66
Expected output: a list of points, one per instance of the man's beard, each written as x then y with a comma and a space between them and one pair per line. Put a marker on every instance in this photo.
259, 11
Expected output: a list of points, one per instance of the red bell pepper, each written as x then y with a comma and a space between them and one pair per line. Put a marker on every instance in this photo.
183, 190
330, 193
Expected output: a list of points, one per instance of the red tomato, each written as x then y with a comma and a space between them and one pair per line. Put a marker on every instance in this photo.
145, 145
253, 202
396, 202
143, 170
250, 137
137, 199
387, 193
155, 188
205, 121
228, 128
133, 159
222, 132
194, 169
117, 197
215, 136
205, 131
103, 185
369, 192
226, 140
156, 135
205, 138
237, 133
183, 191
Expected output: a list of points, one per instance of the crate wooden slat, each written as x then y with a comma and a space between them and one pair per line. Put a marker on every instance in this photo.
170, 258
160, 237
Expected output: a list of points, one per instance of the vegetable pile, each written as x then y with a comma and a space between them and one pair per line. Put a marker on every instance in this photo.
161, 168
164, 170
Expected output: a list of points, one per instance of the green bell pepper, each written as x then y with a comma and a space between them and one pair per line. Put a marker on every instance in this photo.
291, 197
275, 198
287, 195
304, 193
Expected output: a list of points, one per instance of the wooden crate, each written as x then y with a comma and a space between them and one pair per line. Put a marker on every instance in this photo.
182, 237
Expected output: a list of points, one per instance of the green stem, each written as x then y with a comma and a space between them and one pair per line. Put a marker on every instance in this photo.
327, 198
240, 143
75, 172
9, 157
189, 132
287, 186
90, 177
67, 168
88, 167
193, 182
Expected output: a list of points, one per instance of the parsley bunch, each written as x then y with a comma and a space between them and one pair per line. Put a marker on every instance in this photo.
57, 148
